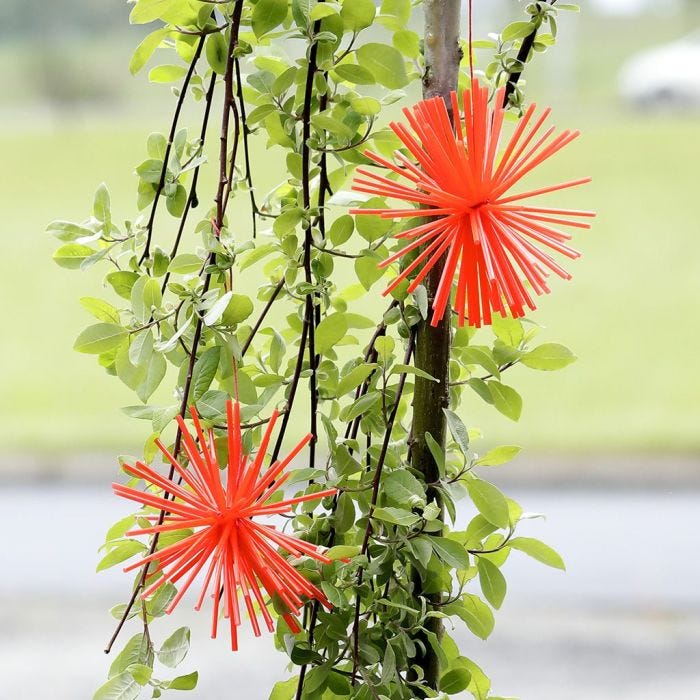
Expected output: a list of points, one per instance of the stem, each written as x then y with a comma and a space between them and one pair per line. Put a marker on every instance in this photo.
370, 356
246, 152
171, 137
261, 318
442, 58
310, 318
199, 327
523, 53
192, 196
376, 480
309, 325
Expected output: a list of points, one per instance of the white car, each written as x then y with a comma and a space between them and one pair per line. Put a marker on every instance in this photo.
666, 76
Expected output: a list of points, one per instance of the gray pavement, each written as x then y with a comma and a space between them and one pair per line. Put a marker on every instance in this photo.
623, 623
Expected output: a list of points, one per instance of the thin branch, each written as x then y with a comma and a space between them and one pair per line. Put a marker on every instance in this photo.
261, 318
192, 200
309, 324
246, 151
523, 53
171, 137
370, 356
235, 24
350, 146
375, 497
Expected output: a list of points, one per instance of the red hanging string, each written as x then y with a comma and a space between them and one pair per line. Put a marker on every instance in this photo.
471, 50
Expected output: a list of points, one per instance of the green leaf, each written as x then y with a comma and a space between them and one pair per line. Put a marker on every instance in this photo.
71, 255
267, 14
155, 372
354, 74
362, 405
216, 311
100, 309
396, 516
185, 264
145, 297
538, 550
343, 551
480, 683
358, 14
301, 10
492, 581
237, 310
163, 596
330, 331
166, 73
146, 49
367, 270
517, 30
188, 682
479, 528
401, 9
490, 502
478, 355
284, 690
322, 10
100, 338
452, 553
402, 487
124, 549
121, 687
149, 10
548, 357
388, 663
422, 549
141, 673
341, 229
122, 282
204, 372
118, 529
385, 63
175, 648
354, 378
438, 453
506, 399
68, 231
217, 52
458, 430
508, 330
101, 205
136, 651
407, 42
476, 615
367, 106
499, 455
455, 681
212, 404
410, 369
481, 388
334, 126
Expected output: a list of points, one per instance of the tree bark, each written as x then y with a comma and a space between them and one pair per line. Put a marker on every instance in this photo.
442, 58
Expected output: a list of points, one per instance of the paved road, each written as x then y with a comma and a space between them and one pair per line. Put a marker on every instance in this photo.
622, 624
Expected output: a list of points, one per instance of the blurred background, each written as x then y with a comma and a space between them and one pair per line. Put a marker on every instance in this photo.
611, 443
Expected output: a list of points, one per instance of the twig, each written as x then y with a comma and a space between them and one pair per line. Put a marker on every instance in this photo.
375, 496
192, 196
246, 152
171, 137
261, 318
235, 24
523, 53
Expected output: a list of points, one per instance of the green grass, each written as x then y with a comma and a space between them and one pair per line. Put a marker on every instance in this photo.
630, 312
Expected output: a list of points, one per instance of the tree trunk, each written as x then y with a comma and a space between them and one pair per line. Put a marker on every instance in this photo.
442, 58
